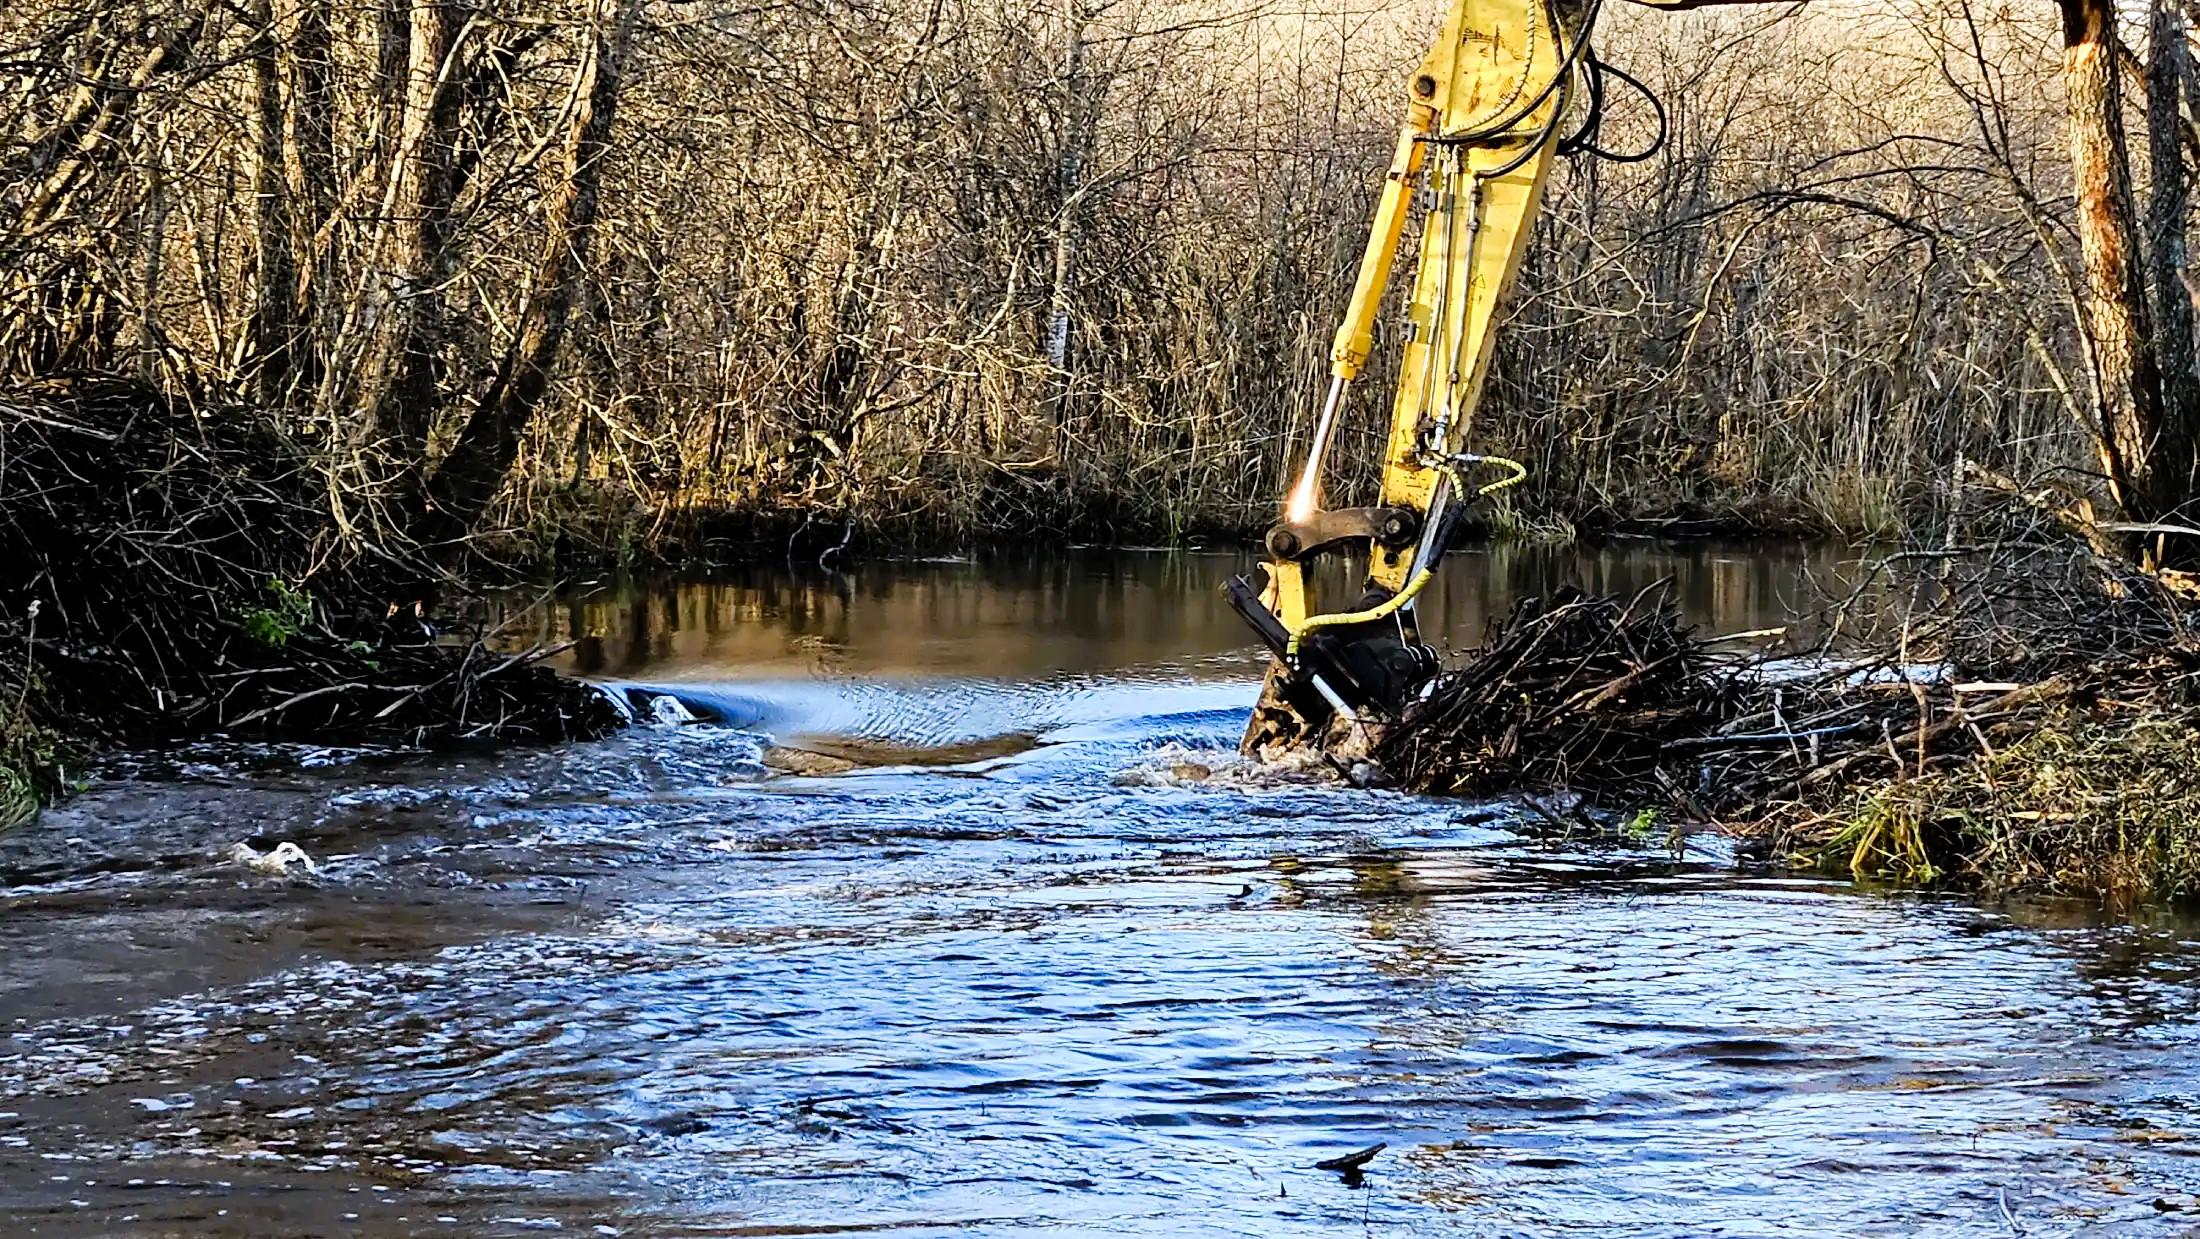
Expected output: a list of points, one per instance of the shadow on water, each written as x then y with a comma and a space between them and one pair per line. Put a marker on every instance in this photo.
1084, 975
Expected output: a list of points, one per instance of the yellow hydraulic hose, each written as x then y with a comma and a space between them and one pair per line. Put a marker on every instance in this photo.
1337, 619
1519, 474
1421, 576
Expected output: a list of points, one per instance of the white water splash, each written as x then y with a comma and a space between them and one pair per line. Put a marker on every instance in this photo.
276, 861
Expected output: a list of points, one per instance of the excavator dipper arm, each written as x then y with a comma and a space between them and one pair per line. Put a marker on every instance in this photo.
1481, 128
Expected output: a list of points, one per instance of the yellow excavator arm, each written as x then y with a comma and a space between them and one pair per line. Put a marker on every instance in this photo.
1483, 115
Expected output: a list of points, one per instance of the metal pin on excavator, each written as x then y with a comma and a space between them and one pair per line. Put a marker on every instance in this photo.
1483, 115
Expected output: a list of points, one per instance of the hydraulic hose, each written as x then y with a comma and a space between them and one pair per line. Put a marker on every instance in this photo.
1519, 473
1386, 609
1423, 574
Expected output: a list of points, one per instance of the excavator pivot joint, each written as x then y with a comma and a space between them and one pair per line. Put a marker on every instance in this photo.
1388, 526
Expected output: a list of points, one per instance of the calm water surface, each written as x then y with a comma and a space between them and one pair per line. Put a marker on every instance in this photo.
1043, 961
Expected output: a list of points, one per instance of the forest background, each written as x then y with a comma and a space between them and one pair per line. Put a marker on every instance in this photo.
615, 274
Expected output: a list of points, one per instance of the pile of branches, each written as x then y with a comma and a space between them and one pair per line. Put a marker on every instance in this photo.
2026, 622
1569, 691
169, 575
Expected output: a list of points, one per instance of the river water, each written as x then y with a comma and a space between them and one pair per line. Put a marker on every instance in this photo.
1020, 949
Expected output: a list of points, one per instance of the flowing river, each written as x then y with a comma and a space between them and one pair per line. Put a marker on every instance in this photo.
959, 917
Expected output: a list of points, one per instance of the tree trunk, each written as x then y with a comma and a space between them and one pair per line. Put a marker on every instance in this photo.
383, 390
1069, 174
2169, 71
311, 132
275, 330
392, 43
310, 168
2118, 326
419, 251
474, 470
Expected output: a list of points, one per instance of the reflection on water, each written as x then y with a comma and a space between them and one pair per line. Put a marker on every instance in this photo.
1099, 981
1024, 616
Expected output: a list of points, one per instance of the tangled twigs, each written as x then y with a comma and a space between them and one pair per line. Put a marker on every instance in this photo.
1568, 689
2024, 637
164, 583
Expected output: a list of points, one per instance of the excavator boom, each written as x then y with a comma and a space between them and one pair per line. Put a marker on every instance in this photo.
1483, 118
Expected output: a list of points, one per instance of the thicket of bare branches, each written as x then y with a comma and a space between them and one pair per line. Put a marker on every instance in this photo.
959, 265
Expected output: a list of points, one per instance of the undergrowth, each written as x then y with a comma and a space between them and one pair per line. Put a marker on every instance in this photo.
168, 578
37, 760
2084, 805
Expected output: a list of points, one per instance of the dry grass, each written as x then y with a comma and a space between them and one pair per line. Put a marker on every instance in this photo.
2095, 803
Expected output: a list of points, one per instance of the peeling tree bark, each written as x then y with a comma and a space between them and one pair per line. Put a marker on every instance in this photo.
2118, 325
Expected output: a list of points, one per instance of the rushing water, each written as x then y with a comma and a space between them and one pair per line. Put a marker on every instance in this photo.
1040, 958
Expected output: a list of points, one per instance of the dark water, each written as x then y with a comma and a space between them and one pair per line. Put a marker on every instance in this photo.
1058, 966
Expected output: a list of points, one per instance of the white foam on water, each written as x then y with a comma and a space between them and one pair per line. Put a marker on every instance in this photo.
1162, 706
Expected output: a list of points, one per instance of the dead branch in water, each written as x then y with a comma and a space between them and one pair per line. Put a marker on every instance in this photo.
1568, 688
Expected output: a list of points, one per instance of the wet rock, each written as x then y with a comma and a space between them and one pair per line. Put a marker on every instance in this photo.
1368, 774
667, 710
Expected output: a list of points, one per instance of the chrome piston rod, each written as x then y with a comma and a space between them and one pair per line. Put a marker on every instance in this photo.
1306, 493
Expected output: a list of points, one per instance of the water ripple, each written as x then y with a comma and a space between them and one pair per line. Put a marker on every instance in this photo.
1108, 981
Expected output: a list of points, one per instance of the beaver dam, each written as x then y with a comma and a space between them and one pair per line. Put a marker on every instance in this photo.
170, 575
2016, 706
2013, 705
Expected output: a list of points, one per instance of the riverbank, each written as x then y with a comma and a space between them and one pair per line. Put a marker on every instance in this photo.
597, 530
2085, 786
2014, 709
173, 577
2101, 801
2036, 728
